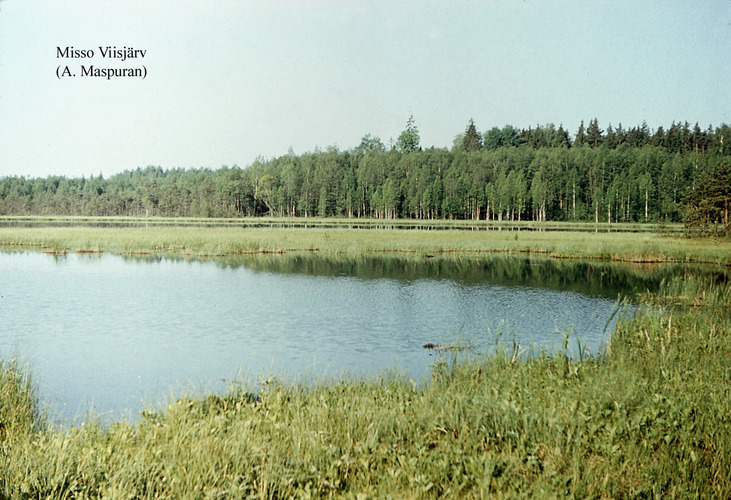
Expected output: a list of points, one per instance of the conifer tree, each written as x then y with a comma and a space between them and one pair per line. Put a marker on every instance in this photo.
580, 135
561, 138
611, 139
472, 141
658, 139
644, 137
594, 134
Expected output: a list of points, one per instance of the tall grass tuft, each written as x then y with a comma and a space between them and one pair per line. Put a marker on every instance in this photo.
19, 409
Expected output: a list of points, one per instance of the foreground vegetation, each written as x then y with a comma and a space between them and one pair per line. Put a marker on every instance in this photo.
650, 418
198, 239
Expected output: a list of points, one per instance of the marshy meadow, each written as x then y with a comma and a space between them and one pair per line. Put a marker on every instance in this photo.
647, 416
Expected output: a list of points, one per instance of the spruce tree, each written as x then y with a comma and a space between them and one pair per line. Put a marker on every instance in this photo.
644, 137
658, 139
580, 135
611, 139
594, 134
472, 141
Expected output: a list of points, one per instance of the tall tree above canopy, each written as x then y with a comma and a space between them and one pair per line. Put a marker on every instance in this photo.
472, 141
594, 134
409, 138
580, 135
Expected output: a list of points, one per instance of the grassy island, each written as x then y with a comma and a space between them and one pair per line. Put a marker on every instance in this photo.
649, 418
230, 237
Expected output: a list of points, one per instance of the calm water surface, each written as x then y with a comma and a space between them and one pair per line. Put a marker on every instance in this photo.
117, 334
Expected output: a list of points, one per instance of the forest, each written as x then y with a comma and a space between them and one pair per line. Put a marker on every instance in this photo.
678, 174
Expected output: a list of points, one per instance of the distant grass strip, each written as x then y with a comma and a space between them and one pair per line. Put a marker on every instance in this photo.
329, 222
650, 419
231, 241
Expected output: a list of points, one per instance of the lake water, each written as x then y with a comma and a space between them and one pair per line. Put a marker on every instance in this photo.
119, 334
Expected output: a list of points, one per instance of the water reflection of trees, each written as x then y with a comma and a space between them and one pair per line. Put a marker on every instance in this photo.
605, 279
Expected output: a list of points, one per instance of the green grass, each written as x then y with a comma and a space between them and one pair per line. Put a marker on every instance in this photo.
335, 222
651, 418
19, 411
201, 241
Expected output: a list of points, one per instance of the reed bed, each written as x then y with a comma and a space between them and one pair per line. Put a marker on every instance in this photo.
202, 241
649, 418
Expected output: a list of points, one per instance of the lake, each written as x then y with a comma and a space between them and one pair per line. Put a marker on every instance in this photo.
119, 334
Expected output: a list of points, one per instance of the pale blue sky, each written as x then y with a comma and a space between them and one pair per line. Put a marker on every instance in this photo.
230, 80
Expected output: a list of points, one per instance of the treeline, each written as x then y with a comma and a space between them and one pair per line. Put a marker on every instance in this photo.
617, 175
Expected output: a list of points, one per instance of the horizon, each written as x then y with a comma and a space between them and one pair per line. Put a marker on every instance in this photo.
238, 81
319, 149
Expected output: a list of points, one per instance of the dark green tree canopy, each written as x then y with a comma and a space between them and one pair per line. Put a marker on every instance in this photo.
708, 200
493, 138
508, 136
632, 175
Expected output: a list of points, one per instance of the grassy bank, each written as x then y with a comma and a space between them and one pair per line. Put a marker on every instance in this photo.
650, 419
199, 240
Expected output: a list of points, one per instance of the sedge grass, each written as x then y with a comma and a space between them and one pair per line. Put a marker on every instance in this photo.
20, 414
650, 419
